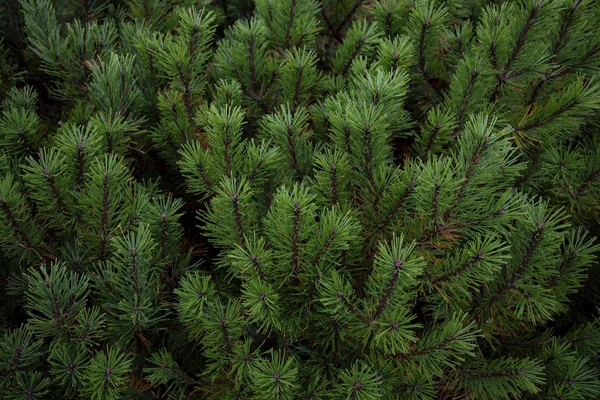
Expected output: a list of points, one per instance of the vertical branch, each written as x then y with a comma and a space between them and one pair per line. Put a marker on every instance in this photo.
258, 267
226, 143
60, 205
422, 62
18, 34
347, 18
431, 139
534, 241
297, 88
334, 183
203, 174
355, 52
290, 21
293, 151
163, 235
187, 97
516, 50
347, 140
325, 246
434, 205
369, 156
465, 102
475, 159
389, 288
556, 48
153, 83
253, 81
493, 54
80, 162
104, 218
330, 29
237, 216
296, 240
226, 335
135, 271
12, 220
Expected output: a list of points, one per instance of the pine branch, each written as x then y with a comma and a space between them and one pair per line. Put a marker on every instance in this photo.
534, 242
431, 139
355, 52
391, 285
379, 194
10, 217
522, 36
549, 76
351, 307
330, 28
104, 219
526, 28
253, 80
347, 18
475, 159
493, 55
293, 151
434, 207
289, 24
532, 125
464, 104
317, 258
295, 240
575, 194
226, 336
421, 62
426, 351
334, 184
368, 157
397, 205
187, 96
57, 196
462, 268
238, 218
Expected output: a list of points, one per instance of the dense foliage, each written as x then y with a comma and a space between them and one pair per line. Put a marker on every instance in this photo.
299, 199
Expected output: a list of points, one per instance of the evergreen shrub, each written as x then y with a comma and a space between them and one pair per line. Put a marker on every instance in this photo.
299, 199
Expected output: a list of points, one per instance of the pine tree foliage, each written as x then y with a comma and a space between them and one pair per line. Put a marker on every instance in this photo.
299, 199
